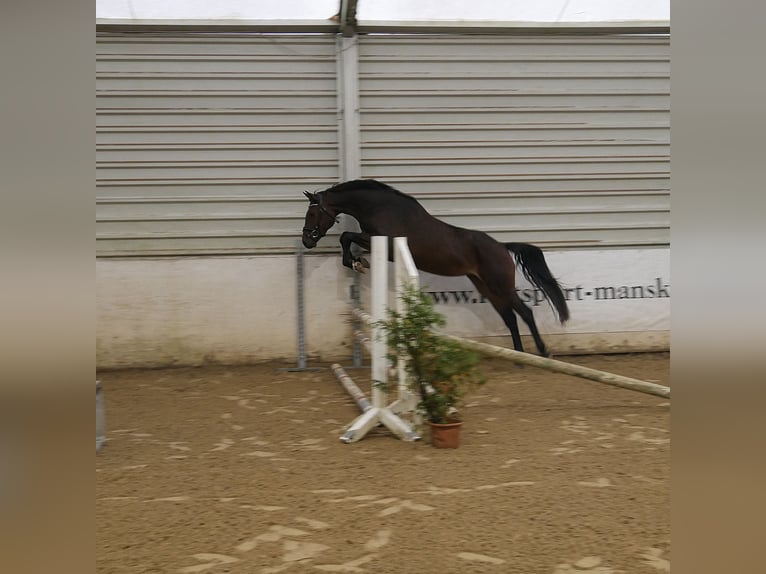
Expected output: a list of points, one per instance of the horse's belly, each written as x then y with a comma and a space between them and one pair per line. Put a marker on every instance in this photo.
447, 264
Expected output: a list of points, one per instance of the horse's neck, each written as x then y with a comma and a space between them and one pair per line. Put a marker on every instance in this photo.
362, 206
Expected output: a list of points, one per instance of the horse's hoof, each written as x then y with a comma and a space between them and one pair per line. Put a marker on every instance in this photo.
358, 267
364, 262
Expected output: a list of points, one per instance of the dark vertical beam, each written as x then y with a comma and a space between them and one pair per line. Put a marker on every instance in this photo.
347, 23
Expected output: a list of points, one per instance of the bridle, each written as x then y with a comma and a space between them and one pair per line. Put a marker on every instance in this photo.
314, 232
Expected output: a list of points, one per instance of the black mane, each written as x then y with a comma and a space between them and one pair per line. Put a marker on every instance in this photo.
371, 184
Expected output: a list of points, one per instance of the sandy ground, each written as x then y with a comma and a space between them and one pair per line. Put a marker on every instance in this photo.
240, 470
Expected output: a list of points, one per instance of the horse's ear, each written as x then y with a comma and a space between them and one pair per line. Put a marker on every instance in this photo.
312, 197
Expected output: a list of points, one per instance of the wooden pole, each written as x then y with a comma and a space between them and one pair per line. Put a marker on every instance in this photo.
566, 368
356, 393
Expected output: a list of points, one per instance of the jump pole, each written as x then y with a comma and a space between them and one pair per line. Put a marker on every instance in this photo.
378, 412
566, 368
348, 383
356, 393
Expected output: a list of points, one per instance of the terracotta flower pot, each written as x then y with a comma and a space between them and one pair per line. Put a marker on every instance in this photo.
445, 435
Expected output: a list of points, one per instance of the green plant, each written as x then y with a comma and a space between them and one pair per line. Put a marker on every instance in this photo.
440, 370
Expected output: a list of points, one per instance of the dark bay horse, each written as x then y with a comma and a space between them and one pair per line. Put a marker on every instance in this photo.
437, 247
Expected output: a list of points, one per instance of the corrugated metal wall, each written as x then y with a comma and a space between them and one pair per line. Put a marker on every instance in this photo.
559, 141
205, 141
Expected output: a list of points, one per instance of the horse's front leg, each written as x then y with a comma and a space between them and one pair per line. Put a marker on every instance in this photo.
362, 240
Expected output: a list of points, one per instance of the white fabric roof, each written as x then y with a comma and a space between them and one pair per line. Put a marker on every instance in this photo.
390, 10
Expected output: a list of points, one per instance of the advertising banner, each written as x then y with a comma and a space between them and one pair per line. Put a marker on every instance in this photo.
620, 290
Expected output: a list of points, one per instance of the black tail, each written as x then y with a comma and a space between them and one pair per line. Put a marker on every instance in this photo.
532, 262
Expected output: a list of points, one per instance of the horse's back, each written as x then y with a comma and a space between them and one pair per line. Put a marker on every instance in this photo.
437, 247
445, 249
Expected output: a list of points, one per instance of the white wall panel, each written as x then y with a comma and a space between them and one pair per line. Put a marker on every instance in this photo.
204, 141
562, 141
559, 140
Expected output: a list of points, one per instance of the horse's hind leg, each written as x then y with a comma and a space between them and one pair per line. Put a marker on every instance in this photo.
526, 314
503, 307
498, 285
509, 317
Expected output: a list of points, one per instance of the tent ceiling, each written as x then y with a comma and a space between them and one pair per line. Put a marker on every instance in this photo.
348, 16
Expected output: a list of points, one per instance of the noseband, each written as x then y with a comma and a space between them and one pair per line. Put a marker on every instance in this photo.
314, 232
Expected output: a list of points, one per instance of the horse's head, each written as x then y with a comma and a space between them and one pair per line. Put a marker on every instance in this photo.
319, 218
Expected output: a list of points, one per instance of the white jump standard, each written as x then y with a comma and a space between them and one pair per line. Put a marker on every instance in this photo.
376, 411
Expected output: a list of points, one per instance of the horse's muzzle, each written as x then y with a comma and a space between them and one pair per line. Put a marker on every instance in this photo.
311, 237
308, 242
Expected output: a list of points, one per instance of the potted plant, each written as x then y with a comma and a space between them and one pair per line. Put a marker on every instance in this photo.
439, 370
